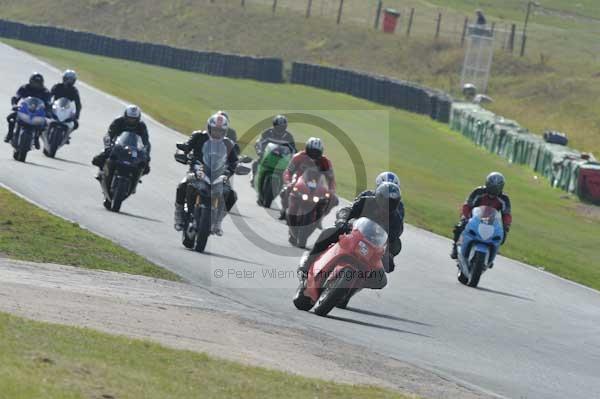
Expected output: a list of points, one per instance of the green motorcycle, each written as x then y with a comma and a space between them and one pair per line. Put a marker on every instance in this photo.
268, 181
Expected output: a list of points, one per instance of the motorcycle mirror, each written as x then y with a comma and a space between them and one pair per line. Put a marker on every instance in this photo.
245, 159
242, 170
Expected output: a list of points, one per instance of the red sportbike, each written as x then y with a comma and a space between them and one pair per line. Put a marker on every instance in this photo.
351, 264
308, 201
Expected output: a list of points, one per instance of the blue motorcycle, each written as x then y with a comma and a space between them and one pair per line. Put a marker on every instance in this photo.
31, 119
479, 244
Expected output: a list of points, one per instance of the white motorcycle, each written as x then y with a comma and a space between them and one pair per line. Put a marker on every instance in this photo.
59, 127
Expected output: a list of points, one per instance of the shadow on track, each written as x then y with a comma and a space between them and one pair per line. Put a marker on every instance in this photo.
385, 316
73, 162
131, 215
364, 323
505, 294
39, 165
242, 261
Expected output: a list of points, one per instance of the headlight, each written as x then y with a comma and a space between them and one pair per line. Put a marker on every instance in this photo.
315, 199
295, 189
304, 197
327, 195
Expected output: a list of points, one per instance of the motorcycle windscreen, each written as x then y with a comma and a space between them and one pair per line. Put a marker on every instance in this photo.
279, 149
63, 109
131, 140
32, 111
314, 178
487, 214
490, 220
372, 231
214, 158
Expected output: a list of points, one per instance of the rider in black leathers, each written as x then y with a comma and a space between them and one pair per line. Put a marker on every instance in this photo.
129, 122
35, 88
67, 90
384, 207
216, 129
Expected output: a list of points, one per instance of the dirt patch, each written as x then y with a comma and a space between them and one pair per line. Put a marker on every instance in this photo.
178, 316
590, 212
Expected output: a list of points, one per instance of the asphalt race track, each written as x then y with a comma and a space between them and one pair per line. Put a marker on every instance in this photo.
523, 334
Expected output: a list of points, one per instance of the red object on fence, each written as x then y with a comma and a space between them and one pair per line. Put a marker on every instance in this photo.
588, 187
390, 20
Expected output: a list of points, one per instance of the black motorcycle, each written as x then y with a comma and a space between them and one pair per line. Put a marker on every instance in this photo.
123, 169
207, 190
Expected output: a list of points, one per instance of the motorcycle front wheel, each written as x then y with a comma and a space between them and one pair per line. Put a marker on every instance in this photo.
203, 230
335, 290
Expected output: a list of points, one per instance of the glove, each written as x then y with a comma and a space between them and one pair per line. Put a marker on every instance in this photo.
147, 169
342, 224
506, 230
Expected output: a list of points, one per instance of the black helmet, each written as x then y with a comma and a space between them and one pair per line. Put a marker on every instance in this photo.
280, 123
69, 77
494, 183
36, 80
388, 196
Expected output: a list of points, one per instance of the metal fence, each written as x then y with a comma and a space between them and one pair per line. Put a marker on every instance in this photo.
230, 65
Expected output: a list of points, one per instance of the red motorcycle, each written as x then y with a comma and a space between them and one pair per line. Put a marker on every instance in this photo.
351, 264
309, 200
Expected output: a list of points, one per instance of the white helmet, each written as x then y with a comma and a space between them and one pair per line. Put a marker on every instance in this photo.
225, 114
217, 126
132, 114
387, 177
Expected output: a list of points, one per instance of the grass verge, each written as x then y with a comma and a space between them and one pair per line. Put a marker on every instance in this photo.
30, 233
438, 167
41, 360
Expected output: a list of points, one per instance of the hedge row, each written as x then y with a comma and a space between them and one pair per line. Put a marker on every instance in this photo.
397, 93
212, 63
565, 168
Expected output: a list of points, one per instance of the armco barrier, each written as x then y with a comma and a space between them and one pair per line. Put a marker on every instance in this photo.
230, 65
564, 167
379, 89
382, 90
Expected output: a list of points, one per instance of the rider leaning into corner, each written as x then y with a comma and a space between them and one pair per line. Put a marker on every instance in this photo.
216, 129
35, 88
67, 90
130, 121
311, 157
384, 206
489, 195
277, 134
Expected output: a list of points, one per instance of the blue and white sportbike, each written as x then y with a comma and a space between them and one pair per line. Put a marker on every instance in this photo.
31, 120
479, 244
